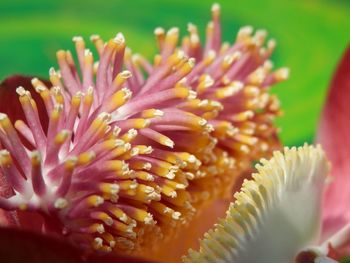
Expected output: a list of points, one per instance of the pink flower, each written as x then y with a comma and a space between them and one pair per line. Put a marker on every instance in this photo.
133, 151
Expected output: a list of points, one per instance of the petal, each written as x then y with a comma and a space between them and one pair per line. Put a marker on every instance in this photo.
275, 215
333, 134
18, 246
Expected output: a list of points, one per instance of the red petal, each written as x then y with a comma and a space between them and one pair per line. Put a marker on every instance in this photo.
10, 104
18, 246
333, 134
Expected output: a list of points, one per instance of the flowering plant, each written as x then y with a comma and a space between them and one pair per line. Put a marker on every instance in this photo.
127, 156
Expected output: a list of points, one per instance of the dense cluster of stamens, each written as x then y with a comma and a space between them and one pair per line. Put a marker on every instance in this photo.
132, 148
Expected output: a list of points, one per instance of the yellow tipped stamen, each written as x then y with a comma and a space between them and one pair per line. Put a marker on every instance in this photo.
116, 165
143, 176
281, 74
244, 34
89, 97
94, 201
152, 113
109, 239
224, 128
88, 59
172, 37
175, 58
139, 123
109, 189
249, 140
228, 91
99, 44
57, 93
86, 158
215, 9
5, 158
61, 137
119, 40
118, 99
103, 217
143, 149
209, 58
205, 82
121, 78
140, 215
251, 91
5, 122
119, 214
55, 77
187, 67
243, 116
166, 211
35, 159
160, 36
95, 228
230, 59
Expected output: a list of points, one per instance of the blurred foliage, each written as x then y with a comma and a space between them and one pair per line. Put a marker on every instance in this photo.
311, 36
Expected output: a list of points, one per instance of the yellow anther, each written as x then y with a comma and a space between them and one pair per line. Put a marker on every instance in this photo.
243, 116
94, 200
118, 99
151, 113
86, 157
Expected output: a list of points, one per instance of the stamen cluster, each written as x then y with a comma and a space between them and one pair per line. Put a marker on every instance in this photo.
133, 149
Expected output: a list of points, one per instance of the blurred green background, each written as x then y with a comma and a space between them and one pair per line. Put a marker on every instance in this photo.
311, 37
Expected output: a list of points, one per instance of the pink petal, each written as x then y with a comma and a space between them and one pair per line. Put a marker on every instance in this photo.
18, 246
333, 135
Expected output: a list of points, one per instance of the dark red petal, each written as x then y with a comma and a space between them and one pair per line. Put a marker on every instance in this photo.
9, 102
18, 246
334, 135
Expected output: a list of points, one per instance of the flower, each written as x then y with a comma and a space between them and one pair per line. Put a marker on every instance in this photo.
332, 133
133, 151
276, 216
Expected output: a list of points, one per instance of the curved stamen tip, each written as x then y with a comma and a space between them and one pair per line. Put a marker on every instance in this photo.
21, 91
94, 37
126, 74
283, 73
173, 31
159, 31
36, 157
119, 39
215, 7
77, 38
3, 116
192, 95
191, 62
127, 93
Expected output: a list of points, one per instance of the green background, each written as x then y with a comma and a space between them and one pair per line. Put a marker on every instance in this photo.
311, 37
